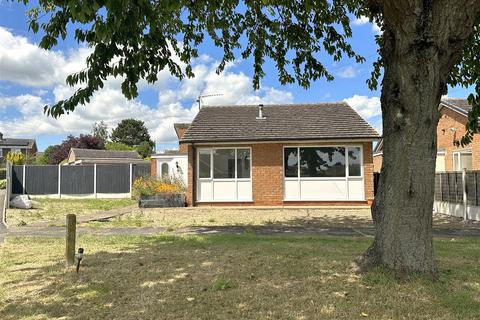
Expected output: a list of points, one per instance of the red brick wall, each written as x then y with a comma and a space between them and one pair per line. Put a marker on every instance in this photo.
267, 176
377, 163
191, 191
153, 167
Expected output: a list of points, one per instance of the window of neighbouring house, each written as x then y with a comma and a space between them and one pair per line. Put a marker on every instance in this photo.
462, 160
322, 162
204, 164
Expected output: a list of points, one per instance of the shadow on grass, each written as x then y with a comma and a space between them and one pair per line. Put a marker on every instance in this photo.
169, 277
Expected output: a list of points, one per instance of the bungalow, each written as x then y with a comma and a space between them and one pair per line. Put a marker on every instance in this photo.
295, 154
26, 146
451, 127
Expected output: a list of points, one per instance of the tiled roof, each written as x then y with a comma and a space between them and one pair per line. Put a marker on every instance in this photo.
459, 105
283, 122
170, 153
81, 154
10, 142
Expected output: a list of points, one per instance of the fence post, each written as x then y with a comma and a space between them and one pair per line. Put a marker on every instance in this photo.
23, 180
131, 179
59, 180
464, 188
70, 239
441, 186
95, 180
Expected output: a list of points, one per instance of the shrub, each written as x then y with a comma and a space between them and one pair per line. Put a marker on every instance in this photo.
3, 173
17, 158
3, 184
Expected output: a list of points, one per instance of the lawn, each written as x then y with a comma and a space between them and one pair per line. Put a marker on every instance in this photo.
56, 209
228, 277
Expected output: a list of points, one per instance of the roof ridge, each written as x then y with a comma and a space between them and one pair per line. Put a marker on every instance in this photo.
277, 104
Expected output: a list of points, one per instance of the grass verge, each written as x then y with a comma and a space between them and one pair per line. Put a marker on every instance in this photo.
228, 277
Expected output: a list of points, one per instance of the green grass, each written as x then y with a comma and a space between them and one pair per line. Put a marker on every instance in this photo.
56, 209
228, 277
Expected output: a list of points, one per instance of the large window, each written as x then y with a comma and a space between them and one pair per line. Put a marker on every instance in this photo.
224, 174
322, 162
224, 163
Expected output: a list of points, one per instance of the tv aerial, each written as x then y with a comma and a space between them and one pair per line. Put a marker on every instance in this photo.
200, 97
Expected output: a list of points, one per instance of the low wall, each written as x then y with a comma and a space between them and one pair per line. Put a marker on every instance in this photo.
456, 209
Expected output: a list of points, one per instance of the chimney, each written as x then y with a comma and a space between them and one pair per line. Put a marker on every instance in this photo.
260, 113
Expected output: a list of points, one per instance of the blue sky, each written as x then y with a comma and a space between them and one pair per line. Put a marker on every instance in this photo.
31, 78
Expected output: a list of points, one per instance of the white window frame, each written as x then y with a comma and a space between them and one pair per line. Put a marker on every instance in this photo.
212, 179
458, 155
346, 178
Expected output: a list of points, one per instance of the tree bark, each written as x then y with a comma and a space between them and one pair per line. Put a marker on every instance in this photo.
418, 53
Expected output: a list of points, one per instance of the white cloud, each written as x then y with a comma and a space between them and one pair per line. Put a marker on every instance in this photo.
45, 73
361, 20
367, 107
348, 72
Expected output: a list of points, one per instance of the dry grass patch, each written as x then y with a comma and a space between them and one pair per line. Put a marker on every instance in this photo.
177, 218
227, 277
56, 209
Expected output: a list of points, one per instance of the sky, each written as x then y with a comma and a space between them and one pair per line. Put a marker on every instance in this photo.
31, 78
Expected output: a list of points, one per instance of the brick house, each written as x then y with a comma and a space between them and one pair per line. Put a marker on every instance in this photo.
26, 146
297, 154
451, 126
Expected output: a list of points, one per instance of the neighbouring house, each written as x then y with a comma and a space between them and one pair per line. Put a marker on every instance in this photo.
451, 127
172, 163
93, 156
276, 155
26, 146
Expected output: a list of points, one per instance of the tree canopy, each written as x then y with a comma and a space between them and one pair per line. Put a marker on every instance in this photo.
60, 152
131, 132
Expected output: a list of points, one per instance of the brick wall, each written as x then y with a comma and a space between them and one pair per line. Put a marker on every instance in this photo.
183, 147
191, 191
267, 176
153, 167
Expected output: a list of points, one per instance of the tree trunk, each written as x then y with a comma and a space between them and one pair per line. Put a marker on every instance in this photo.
417, 58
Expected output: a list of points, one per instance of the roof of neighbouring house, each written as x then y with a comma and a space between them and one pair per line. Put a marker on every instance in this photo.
82, 154
282, 122
460, 105
13, 142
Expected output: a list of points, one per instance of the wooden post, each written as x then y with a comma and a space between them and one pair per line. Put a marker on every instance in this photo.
464, 188
70, 239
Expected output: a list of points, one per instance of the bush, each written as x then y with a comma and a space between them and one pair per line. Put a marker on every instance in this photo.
149, 186
16, 158
3, 184
3, 173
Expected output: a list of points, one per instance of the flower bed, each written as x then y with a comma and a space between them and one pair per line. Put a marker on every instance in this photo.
159, 193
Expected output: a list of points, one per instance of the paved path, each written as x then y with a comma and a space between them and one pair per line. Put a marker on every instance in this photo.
3, 228
259, 230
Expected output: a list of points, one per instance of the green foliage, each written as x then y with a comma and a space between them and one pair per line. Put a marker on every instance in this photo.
222, 284
3, 183
144, 149
149, 186
118, 146
3, 173
131, 132
16, 158
100, 131
46, 157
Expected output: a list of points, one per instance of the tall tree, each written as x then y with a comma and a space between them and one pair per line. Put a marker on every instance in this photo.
100, 131
131, 132
425, 46
60, 152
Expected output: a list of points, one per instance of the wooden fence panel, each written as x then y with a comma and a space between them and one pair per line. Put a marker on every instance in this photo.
113, 178
41, 180
76, 180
